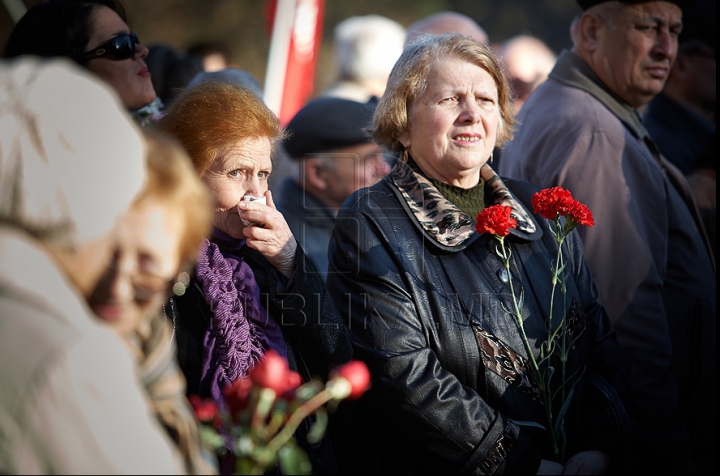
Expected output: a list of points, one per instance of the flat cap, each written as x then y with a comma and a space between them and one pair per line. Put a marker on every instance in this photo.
329, 123
585, 4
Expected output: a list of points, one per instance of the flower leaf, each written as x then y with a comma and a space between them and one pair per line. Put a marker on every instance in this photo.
211, 438
318, 429
563, 411
293, 460
521, 299
528, 423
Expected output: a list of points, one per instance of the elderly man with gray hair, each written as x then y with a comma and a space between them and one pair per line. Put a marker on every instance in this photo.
365, 49
648, 253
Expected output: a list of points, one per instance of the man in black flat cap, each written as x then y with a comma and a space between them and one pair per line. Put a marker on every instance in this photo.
648, 253
335, 158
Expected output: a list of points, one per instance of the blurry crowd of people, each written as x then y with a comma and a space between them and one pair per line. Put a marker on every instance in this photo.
161, 232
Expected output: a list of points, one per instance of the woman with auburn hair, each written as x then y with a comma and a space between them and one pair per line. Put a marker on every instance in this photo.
252, 289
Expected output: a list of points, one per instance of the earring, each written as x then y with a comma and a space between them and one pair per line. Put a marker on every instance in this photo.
491, 158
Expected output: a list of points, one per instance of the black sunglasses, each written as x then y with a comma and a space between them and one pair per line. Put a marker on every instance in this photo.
119, 48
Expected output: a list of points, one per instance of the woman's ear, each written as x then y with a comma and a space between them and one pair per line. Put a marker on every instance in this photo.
404, 138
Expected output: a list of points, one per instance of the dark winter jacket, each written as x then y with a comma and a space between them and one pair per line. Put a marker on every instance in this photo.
427, 301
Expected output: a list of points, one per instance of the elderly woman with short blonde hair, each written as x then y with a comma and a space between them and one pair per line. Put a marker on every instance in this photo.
426, 297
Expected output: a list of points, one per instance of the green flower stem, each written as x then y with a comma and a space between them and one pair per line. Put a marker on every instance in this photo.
544, 390
267, 454
517, 312
265, 399
560, 268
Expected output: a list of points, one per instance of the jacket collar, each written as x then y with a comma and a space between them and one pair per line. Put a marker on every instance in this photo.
444, 223
573, 71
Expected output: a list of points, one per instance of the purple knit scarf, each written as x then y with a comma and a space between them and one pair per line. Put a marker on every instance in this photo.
236, 339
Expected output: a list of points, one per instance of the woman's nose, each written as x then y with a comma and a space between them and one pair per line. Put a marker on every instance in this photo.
470, 112
253, 187
118, 285
141, 51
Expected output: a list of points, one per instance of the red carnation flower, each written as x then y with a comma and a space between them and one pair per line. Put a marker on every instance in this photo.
355, 372
557, 201
204, 408
551, 202
237, 395
581, 214
273, 372
496, 220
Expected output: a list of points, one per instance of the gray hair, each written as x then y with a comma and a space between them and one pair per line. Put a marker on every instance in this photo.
366, 47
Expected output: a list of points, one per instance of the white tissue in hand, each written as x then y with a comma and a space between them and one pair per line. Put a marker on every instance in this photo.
251, 198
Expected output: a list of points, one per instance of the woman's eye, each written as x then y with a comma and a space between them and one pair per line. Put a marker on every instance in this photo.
263, 175
235, 173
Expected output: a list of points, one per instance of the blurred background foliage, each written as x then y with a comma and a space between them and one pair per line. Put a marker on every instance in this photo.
242, 25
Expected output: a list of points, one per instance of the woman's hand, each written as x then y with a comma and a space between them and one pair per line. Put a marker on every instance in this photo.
271, 236
587, 462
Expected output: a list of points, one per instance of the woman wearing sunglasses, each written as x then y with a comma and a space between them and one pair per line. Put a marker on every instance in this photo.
93, 33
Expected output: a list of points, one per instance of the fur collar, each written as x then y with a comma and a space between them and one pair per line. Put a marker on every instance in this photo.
445, 223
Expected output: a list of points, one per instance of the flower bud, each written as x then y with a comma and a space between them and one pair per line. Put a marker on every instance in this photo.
339, 387
273, 372
237, 395
356, 374
204, 408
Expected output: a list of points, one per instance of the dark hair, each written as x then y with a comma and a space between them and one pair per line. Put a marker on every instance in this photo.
54, 28
204, 49
171, 70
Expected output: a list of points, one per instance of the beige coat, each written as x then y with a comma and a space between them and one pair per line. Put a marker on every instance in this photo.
70, 402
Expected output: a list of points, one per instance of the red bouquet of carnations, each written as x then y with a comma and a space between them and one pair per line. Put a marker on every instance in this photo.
558, 205
265, 408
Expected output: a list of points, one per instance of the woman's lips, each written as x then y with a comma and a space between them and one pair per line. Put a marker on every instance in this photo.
108, 312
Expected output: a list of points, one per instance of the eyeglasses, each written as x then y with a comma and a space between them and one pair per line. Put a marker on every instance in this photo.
119, 48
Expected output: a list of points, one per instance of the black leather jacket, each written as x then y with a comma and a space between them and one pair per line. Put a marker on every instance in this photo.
315, 337
423, 292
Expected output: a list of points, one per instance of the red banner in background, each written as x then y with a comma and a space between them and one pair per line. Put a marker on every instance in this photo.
296, 34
